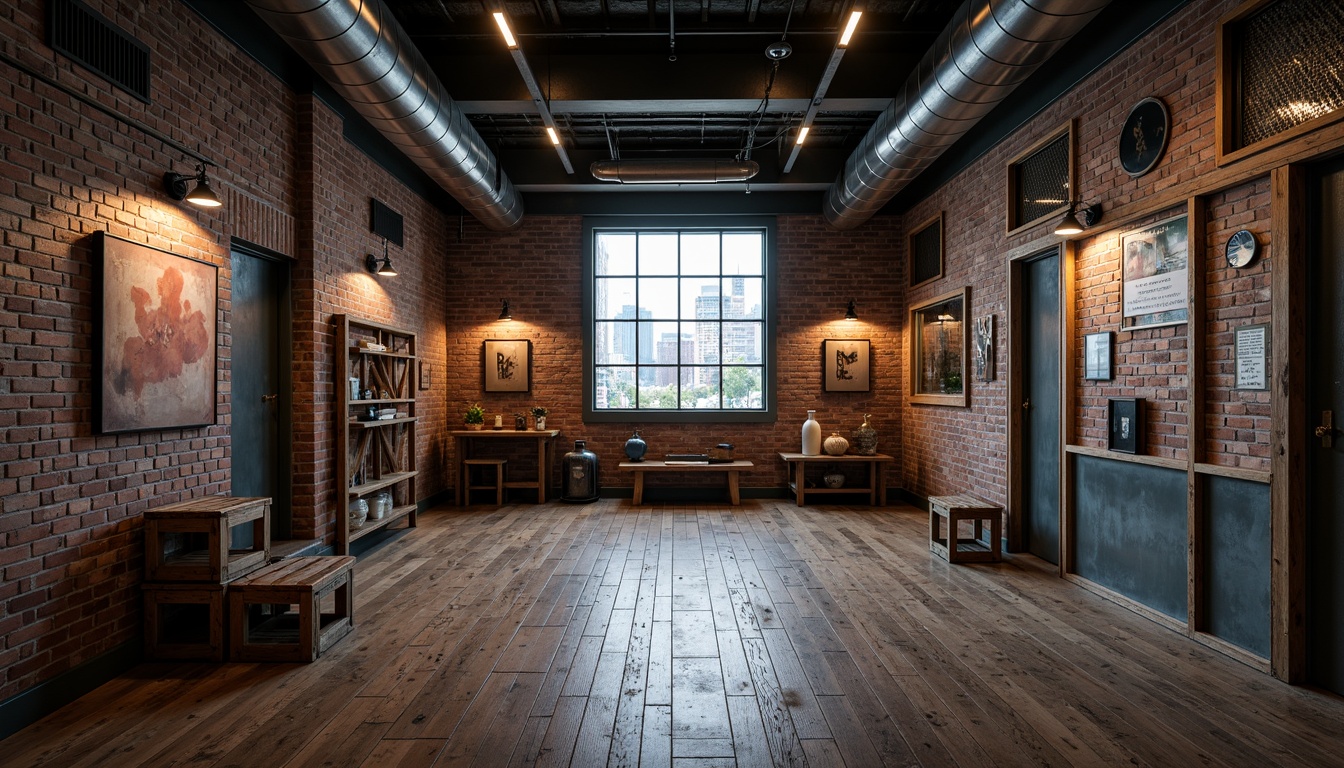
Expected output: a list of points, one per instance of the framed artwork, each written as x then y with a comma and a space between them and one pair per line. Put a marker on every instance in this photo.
926, 251
425, 376
1144, 136
940, 343
1155, 269
156, 352
846, 365
984, 348
1252, 356
1124, 422
1097, 356
507, 365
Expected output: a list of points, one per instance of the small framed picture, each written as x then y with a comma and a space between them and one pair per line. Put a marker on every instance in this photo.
984, 348
1125, 424
506, 365
845, 365
425, 376
1097, 356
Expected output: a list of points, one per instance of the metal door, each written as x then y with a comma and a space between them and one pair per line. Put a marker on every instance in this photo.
1325, 466
260, 428
1041, 329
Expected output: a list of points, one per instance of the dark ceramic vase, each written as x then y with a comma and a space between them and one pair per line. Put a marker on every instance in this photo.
635, 447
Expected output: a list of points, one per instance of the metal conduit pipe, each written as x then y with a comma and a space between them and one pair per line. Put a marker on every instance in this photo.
360, 49
988, 49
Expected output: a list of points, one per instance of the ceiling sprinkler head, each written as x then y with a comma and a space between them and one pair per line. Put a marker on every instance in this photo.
778, 51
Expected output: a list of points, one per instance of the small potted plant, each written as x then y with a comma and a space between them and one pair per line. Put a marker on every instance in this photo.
539, 413
474, 417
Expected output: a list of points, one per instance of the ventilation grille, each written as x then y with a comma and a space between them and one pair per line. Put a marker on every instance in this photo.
385, 222
1290, 66
926, 253
1041, 182
92, 40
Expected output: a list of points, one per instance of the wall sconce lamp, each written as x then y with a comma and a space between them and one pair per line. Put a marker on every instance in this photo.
504, 313
1078, 218
381, 266
175, 184
850, 314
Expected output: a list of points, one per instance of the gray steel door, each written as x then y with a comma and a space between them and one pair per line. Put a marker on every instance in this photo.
1325, 468
260, 379
1040, 423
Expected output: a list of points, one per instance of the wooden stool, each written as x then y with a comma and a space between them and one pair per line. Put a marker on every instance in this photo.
189, 540
955, 509
498, 487
263, 628
184, 621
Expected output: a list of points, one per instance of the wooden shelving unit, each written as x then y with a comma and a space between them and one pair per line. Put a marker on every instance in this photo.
373, 456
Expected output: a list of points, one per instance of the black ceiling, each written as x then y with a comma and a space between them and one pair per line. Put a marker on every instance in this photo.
633, 78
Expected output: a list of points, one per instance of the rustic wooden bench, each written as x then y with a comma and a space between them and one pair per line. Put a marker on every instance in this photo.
263, 628
731, 468
954, 510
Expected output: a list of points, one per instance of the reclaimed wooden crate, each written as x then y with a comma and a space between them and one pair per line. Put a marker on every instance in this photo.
275, 614
190, 540
184, 622
953, 510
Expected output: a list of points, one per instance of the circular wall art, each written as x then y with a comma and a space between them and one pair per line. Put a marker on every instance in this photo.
1241, 248
1144, 136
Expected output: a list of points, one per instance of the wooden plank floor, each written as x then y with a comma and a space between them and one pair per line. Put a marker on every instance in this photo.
760, 635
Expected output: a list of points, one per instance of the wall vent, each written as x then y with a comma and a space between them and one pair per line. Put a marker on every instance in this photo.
91, 39
385, 222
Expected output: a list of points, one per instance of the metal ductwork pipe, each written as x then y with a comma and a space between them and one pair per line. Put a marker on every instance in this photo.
654, 171
989, 48
359, 48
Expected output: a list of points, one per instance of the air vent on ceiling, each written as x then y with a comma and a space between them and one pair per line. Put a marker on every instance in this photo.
385, 222
91, 39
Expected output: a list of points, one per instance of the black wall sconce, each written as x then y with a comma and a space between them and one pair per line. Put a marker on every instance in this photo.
850, 314
175, 184
1078, 218
504, 313
381, 266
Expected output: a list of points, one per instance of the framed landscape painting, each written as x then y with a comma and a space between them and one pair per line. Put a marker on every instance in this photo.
156, 354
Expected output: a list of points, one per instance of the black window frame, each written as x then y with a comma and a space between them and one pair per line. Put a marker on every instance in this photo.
769, 297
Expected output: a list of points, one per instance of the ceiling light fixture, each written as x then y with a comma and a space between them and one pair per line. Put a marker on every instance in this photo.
504, 313
822, 86
555, 137
503, 23
850, 313
175, 184
381, 266
660, 171
1078, 218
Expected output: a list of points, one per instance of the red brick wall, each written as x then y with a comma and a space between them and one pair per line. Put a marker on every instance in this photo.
538, 269
71, 500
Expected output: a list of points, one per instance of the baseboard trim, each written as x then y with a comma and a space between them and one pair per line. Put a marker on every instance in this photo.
24, 709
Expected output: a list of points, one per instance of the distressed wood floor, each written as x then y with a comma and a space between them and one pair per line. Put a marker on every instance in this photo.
768, 634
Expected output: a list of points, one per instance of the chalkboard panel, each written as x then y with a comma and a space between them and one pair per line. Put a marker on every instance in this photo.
1236, 570
1130, 531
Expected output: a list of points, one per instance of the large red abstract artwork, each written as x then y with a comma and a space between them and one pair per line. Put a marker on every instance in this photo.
158, 338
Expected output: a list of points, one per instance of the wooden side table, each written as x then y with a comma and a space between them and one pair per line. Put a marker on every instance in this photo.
877, 475
954, 510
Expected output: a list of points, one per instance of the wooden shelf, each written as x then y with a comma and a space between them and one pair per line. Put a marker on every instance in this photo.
373, 486
383, 449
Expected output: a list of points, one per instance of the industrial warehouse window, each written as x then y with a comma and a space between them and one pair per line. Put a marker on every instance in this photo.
679, 319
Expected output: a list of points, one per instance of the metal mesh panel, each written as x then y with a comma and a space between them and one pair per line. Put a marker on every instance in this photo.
926, 253
1042, 182
1291, 69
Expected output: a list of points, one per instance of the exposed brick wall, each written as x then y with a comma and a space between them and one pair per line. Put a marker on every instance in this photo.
71, 500
538, 269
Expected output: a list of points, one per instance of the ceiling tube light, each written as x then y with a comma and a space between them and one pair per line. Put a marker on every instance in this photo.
175, 184
555, 137
657, 171
504, 29
802, 135
849, 28
1078, 218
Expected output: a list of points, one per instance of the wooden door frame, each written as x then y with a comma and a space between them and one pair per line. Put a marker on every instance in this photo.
1017, 260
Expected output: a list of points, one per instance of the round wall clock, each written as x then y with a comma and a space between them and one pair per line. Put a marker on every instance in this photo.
1144, 136
1241, 248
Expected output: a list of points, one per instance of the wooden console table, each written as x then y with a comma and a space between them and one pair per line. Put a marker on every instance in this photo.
732, 468
877, 475
544, 439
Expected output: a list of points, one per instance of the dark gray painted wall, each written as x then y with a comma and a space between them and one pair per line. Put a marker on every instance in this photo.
1130, 531
1236, 561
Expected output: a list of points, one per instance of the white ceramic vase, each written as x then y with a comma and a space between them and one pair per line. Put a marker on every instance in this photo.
811, 435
